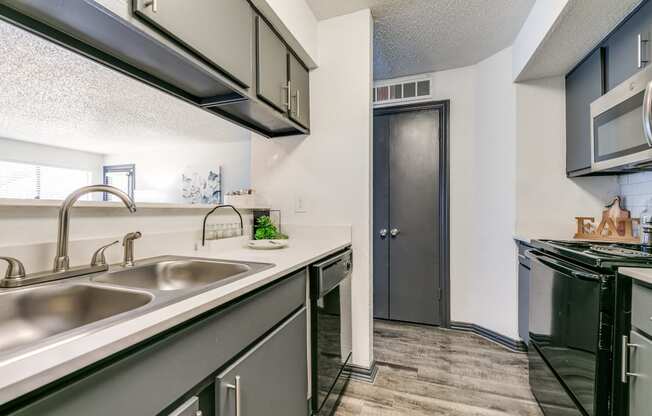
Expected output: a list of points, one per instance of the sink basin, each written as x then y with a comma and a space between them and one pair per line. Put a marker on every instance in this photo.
31, 315
176, 274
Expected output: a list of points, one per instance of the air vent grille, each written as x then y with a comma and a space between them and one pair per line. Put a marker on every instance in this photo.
392, 93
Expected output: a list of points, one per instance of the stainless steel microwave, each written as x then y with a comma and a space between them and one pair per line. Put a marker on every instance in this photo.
621, 126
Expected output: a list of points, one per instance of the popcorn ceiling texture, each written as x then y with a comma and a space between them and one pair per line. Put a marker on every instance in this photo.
53, 96
419, 36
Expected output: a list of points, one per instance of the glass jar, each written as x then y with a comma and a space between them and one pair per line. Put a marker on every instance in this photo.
210, 232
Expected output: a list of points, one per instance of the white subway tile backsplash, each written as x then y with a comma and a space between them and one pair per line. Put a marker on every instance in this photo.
636, 189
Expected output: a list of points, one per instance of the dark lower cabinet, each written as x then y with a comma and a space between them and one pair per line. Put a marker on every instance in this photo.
523, 293
270, 379
189, 408
640, 381
163, 375
636, 371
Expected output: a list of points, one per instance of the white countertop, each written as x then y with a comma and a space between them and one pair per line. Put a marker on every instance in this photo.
638, 273
31, 370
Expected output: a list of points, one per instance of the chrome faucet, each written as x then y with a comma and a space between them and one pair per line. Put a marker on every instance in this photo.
15, 275
128, 243
15, 269
62, 260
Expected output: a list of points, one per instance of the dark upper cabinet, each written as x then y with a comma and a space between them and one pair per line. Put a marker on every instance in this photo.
583, 86
218, 31
206, 52
271, 67
623, 46
299, 92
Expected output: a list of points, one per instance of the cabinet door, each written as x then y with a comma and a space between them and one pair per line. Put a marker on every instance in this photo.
189, 408
640, 385
623, 46
272, 67
583, 86
219, 31
270, 379
299, 92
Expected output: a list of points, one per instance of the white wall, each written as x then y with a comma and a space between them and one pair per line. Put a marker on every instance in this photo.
297, 17
548, 201
20, 151
507, 173
330, 170
493, 278
158, 173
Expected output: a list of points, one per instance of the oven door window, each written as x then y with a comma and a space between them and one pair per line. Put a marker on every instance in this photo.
564, 322
619, 131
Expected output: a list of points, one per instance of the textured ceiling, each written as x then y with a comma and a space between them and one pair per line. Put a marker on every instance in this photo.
417, 36
581, 27
53, 96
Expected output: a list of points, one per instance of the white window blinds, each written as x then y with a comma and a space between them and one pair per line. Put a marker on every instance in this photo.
30, 181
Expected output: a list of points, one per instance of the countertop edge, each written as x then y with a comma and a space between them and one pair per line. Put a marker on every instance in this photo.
638, 273
38, 377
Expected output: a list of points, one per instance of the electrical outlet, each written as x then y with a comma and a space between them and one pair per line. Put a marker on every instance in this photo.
300, 205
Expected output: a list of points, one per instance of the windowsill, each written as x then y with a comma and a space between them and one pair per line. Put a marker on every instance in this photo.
52, 203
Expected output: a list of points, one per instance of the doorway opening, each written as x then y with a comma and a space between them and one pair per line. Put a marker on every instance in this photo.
411, 211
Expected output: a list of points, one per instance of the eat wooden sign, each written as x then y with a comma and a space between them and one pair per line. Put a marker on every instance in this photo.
616, 225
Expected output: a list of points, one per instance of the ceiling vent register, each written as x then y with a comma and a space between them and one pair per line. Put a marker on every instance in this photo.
407, 91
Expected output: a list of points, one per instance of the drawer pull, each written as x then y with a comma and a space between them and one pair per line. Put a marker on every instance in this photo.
236, 388
625, 347
152, 3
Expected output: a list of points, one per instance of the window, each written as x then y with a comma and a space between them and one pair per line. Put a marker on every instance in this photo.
30, 181
122, 177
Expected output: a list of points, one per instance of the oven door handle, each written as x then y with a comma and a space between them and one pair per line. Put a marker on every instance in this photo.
647, 114
537, 256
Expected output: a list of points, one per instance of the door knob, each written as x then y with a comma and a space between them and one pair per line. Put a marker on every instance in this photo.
383, 233
394, 232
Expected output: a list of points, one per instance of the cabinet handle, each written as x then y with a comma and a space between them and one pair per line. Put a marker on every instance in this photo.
153, 3
298, 109
642, 54
286, 89
626, 346
647, 113
236, 388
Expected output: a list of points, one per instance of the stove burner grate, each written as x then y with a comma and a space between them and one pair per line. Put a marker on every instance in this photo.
620, 251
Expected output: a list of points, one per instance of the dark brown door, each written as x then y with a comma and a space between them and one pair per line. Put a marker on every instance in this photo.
411, 248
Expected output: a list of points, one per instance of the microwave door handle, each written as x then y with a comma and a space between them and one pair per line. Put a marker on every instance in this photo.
647, 114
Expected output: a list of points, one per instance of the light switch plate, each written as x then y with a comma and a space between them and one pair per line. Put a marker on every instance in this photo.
300, 205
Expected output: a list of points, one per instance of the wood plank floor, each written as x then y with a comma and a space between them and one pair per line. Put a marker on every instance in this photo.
431, 371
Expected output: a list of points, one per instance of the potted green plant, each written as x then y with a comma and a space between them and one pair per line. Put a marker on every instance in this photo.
266, 230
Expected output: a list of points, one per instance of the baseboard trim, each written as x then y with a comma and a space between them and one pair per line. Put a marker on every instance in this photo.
367, 375
507, 342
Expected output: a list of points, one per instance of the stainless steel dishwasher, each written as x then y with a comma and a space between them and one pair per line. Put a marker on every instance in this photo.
330, 347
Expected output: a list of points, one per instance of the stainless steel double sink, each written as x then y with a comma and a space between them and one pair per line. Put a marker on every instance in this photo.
37, 315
